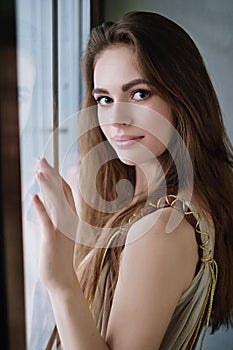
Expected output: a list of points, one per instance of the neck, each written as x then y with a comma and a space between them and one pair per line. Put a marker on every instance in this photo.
148, 176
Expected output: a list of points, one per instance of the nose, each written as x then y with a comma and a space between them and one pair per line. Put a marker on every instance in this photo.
118, 114
121, 115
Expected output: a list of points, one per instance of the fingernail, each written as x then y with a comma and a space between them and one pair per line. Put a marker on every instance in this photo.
35, 198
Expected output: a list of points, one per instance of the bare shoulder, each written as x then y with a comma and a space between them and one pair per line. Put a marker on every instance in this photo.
166, 238
166, 225
156, 268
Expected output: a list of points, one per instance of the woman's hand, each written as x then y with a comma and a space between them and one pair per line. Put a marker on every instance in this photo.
58, 229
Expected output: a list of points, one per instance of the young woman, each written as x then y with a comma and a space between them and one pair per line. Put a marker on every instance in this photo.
159, 270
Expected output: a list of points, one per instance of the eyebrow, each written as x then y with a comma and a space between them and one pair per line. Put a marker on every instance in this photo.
124, 87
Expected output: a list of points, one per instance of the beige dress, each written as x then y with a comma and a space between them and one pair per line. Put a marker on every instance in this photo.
193, 310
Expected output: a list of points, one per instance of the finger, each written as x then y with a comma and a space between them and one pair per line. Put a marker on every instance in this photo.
50, 187
46, 168
45, 164
41, 212
47, 172
57, 193
63, 190
40, 177
43, 182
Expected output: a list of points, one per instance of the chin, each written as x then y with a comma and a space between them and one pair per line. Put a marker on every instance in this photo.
127, 161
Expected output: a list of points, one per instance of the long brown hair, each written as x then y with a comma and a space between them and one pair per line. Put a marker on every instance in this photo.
169, 60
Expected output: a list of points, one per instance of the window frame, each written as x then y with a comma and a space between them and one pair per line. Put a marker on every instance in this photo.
13, 332
12, 296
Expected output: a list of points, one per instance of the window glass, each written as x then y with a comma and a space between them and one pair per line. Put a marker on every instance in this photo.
39, 65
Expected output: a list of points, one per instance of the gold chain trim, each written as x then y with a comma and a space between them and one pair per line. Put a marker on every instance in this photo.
206, 258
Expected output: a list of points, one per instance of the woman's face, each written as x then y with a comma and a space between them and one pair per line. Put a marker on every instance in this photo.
136, 121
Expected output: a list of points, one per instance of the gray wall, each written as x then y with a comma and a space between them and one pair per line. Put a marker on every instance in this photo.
210, 24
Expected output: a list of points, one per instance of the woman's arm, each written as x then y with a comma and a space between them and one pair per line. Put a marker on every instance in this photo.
76, 327
75, 324
156, 268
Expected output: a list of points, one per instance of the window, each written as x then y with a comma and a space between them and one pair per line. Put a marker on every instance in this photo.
51, 35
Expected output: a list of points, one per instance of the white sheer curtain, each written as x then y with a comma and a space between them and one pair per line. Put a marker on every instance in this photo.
36, 96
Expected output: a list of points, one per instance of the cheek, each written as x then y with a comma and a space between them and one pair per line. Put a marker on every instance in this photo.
157, 147
103, 120
106, 130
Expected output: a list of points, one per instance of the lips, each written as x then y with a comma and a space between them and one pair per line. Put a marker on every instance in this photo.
126, 140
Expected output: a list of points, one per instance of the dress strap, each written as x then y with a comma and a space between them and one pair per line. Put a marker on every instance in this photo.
190, 212
193, 217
